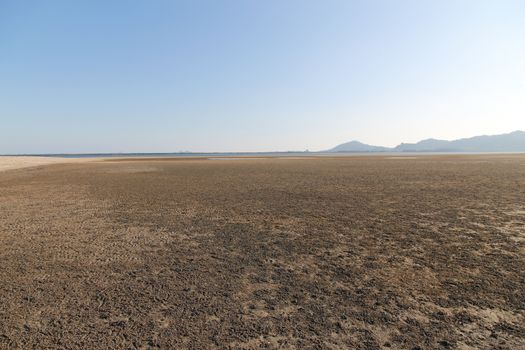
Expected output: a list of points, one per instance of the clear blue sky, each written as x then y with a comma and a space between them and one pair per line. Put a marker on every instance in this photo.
250, 75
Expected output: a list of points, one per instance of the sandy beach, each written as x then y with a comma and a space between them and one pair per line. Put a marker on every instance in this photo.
325, 253
18, 162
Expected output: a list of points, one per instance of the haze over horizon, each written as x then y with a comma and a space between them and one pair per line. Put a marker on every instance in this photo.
135, 76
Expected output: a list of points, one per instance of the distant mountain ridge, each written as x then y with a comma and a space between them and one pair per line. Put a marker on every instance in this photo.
511, 142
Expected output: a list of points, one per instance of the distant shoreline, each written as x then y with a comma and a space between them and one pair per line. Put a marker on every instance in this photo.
241, 154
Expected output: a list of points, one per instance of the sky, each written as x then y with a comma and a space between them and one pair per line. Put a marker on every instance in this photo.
248, 75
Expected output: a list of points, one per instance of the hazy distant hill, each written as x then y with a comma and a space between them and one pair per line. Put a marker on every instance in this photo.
512, 142
356, 146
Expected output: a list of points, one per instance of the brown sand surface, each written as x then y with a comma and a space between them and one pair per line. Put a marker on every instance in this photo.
325, 253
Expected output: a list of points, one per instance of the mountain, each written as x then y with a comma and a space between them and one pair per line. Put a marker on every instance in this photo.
512, 142
428, 145
356, 146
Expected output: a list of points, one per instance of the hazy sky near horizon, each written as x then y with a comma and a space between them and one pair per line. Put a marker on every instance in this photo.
247, 75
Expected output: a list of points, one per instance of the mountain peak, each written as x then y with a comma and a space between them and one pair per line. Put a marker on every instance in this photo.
356, 146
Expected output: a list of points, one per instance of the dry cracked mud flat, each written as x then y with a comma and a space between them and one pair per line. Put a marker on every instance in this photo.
314, 253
